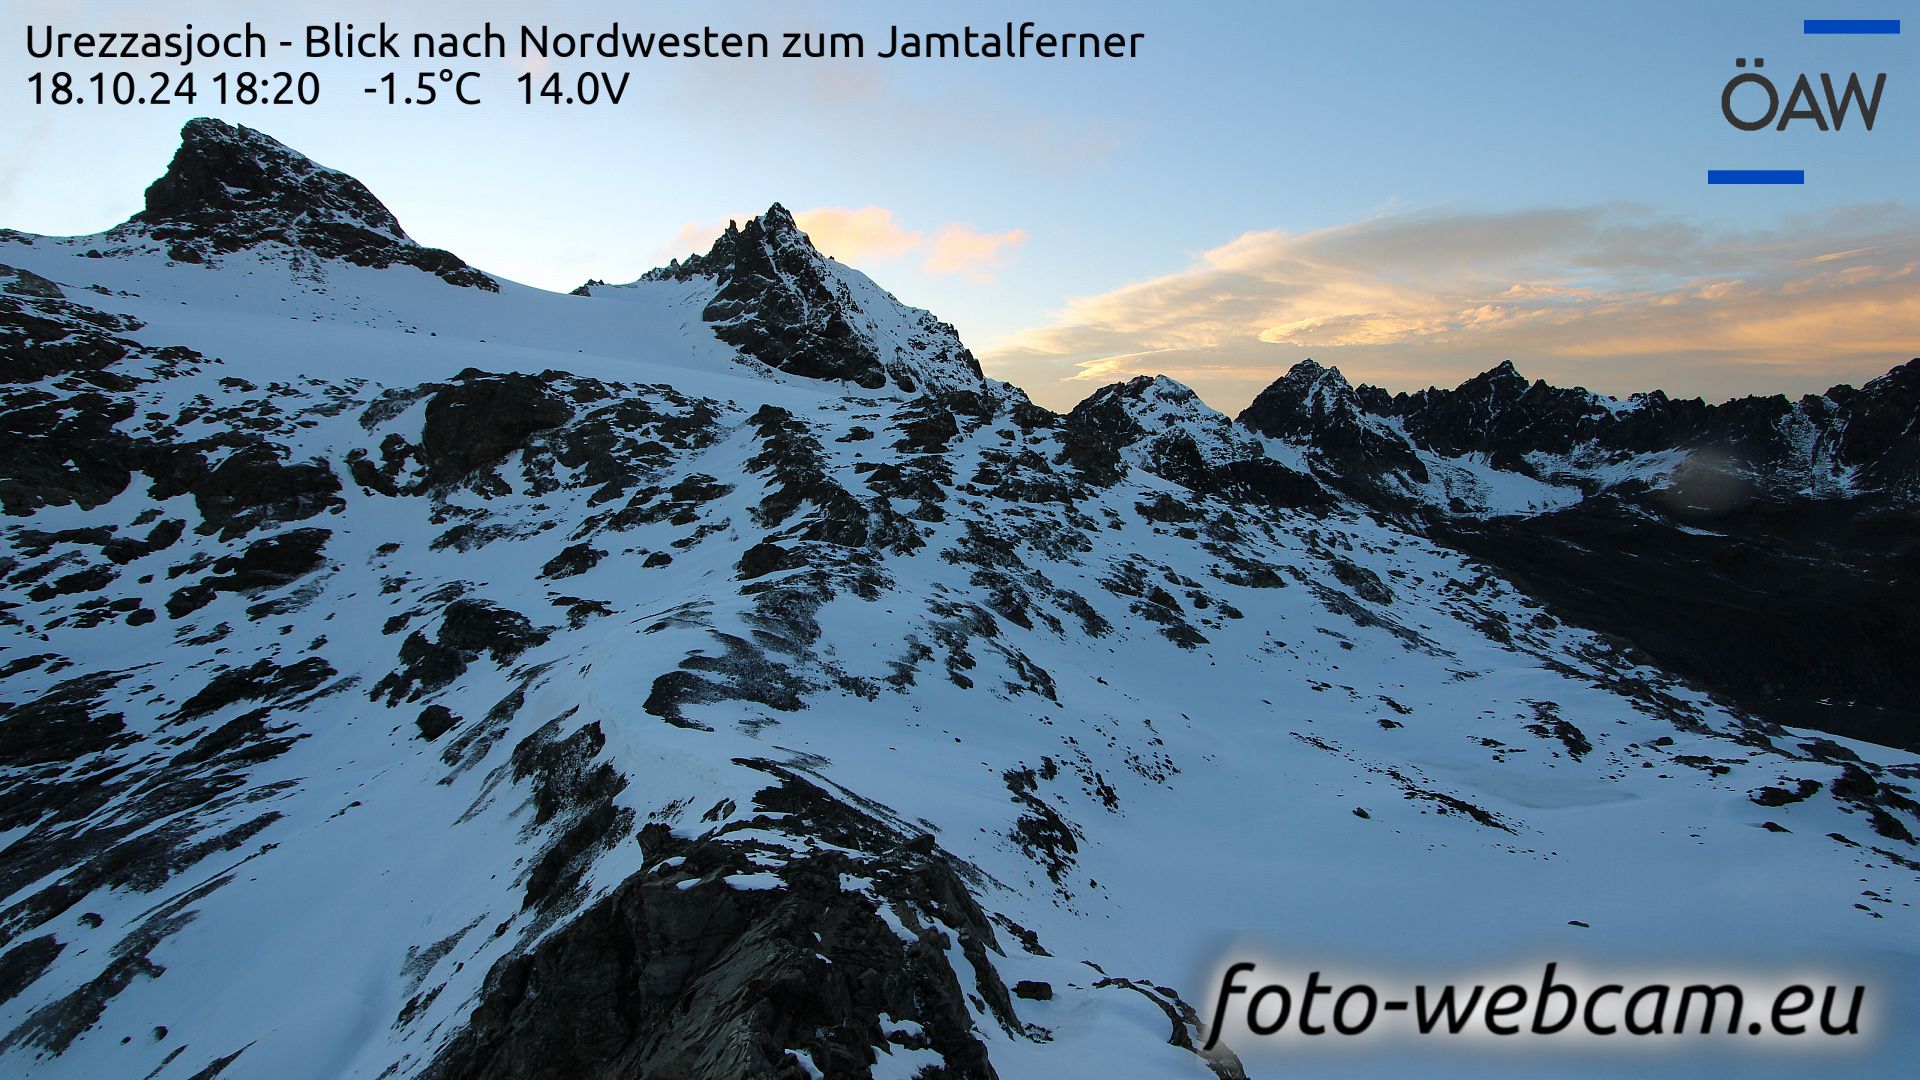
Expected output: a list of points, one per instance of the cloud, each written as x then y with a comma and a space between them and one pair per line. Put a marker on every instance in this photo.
874, 234
1610, 297
958, 249
869, 233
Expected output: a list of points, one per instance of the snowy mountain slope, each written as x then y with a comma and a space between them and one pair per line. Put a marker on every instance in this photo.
404, 678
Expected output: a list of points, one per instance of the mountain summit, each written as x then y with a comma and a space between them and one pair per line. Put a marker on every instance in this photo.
781, 302
230, 188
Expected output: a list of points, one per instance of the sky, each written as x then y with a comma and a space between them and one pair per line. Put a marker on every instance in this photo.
1412, 192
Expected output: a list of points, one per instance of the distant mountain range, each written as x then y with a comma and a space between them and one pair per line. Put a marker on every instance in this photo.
407, 672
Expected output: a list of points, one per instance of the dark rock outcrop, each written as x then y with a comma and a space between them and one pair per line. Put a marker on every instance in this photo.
480, 419
677, 972
468, 630
1879, 428
1316, 406
266, 563
254, 486
778, 302
1176, 437
64, 724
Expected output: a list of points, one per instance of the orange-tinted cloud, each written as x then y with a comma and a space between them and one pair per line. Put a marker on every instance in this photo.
1609, 297
959, 249
870, 233
874, 234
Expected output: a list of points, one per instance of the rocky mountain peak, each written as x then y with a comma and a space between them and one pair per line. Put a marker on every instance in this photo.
1148, 391
783, 303
1160, 426
230, 188
1879, 427
1155, 407
744, 249
1497, 412
1311, 374
1307, 398
778, 227
1126, 412
1493, 390
223, 169
1316, 406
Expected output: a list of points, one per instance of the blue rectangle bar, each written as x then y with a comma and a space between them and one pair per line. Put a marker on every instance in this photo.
1756, 176
1850, 26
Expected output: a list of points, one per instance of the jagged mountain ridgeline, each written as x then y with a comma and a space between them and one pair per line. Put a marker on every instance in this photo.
408, 672
1763, 548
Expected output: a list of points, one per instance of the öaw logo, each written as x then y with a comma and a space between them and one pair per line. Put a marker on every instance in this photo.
1753, 100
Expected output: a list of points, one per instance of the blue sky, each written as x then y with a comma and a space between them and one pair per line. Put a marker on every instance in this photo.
1414, 191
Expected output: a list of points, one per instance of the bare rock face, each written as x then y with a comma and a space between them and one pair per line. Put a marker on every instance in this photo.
482, 418
1880, 427
1316, 406
775, 308
231, 187
468, 630
1168, 431
253, 486
679, 973
786, 305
